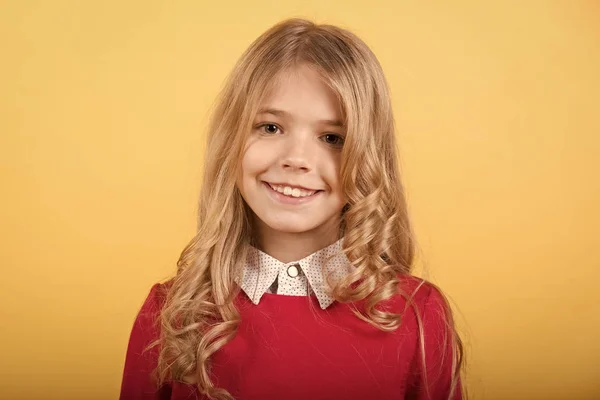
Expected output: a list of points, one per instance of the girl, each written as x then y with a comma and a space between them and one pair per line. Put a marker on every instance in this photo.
297, 284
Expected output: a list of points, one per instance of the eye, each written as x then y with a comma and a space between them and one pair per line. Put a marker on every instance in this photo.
333, 139
269, 129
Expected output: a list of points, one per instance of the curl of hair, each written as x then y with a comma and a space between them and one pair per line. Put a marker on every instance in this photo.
199, 316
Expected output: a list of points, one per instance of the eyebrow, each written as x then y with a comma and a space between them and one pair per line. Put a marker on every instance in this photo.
283, 114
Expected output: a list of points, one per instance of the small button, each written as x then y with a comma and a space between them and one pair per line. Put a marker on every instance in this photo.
293, 271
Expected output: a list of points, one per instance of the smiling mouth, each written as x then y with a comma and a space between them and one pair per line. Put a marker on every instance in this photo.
292, 191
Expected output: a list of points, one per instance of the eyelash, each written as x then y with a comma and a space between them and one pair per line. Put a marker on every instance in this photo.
339, 137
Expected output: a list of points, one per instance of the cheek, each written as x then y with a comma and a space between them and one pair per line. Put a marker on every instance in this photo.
251, 162
255, 162
330, 168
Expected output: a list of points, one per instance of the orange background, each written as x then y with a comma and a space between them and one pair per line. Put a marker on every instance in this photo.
102, 110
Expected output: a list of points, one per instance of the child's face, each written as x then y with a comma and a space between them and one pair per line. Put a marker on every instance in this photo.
295, 148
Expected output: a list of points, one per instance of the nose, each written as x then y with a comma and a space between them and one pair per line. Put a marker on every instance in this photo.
298, 153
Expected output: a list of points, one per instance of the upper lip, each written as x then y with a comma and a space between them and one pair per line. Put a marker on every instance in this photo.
292, 186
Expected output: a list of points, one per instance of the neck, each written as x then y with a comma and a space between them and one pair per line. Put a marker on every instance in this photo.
292, 246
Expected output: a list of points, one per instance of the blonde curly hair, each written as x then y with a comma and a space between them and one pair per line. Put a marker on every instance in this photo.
199, 316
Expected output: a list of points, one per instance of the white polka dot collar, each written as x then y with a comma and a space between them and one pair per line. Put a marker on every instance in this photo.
303, 277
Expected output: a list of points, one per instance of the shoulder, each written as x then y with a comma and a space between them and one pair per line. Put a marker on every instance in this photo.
425, 298
142, 353
149, 313
156, 297
439, 353
417, 288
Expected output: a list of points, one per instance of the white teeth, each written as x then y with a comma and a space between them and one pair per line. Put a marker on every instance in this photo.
293, 192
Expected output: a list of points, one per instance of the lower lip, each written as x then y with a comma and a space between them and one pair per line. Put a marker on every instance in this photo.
280, 197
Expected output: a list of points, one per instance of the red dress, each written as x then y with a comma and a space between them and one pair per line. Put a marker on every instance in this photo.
289, 348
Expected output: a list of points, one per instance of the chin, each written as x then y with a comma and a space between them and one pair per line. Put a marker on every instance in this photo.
290, 226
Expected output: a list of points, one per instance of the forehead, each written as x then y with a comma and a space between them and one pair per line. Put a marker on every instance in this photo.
302, 90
